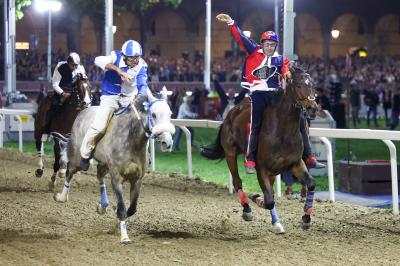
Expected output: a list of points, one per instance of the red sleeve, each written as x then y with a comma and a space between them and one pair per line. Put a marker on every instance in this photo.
247, 44
285, 65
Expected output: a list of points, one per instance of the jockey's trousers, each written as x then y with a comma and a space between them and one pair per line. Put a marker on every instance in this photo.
304, 129
108, 105
259, 101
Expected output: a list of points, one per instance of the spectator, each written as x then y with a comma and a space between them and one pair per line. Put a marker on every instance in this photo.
355, 102
395, 108
96, 97
42, 94
184, 113
228, 101
371, 99
386, 102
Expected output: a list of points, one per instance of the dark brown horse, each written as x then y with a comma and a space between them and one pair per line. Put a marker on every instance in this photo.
280, 145
61, 121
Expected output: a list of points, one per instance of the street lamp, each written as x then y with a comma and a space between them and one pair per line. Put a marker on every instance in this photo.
50, 6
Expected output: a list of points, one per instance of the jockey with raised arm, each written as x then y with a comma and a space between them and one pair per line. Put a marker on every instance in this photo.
260, 75
125, 77
64, 77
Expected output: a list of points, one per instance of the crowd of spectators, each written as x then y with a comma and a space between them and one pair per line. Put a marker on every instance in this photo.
370, 81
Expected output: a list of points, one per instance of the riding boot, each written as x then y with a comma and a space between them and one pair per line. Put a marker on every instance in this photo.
308, 157
250, 158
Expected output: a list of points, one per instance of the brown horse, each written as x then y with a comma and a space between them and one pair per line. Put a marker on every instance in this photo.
61, 121
280, 145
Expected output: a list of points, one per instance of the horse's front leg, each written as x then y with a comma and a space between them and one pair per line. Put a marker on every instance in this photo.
116, 182
63, 196
301, 172
134, 196
231, 159
103, 202
266, 181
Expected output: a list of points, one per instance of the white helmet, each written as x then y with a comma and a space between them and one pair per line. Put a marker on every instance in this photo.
131, 48
73, 58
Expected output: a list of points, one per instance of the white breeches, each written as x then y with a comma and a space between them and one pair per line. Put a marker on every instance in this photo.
108, 105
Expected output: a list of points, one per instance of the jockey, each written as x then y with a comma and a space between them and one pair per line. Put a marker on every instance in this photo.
125, 77
63, 80
262, 73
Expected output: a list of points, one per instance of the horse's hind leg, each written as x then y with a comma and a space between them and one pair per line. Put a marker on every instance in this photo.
56, 165
104, 202
266, 181
40, 152
231, 159
116, 182
301, 172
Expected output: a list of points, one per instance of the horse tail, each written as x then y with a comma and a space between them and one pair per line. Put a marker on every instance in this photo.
213, 151
62, 139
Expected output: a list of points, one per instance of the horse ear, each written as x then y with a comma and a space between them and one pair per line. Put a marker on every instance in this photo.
164, 92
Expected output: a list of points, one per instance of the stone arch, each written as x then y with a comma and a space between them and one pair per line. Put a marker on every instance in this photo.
387, 35
258, 22
353, 33
128, 28
220, 36
87, 36
168, 33
308, 36
35, 23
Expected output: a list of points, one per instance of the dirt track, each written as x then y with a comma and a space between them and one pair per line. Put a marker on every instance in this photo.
179, 222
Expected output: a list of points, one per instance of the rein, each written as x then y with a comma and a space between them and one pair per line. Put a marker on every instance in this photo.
150, 120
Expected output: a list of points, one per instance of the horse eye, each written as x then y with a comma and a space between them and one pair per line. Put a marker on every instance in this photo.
154, 116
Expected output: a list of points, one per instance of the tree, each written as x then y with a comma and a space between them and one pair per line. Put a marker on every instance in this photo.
19, 4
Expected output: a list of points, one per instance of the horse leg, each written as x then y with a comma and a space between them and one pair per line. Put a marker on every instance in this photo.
134, 195
63, 196
40, 152
266, 181
56, 165
231, 159
300, 171
121, 210
104, 202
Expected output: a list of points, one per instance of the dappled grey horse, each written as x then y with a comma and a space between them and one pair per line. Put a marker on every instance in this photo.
121, 152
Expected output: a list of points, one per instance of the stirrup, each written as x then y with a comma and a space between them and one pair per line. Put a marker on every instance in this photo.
250, 169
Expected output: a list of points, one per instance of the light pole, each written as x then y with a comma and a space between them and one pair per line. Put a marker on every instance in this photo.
50, 6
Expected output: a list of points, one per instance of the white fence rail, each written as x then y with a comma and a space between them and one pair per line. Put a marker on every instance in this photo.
17, 114
384, 135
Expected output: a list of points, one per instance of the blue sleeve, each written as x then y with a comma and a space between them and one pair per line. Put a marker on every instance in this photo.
141, 80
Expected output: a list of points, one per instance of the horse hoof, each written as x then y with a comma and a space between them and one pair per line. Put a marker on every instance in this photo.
306, 222
279, 228
247, 216
126, 240
101, 210
58, 198
39, 172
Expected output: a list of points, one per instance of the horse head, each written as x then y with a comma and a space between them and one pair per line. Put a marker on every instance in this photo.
159, 119
301, 89
83, 90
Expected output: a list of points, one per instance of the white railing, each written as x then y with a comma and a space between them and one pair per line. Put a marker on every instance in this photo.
17, 114
384, 135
